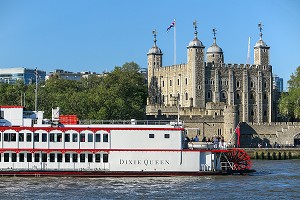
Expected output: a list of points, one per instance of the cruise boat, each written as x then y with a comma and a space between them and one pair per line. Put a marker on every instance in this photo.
33, 146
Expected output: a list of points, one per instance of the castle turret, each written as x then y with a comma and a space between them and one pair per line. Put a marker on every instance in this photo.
230, 123
154, 62
261, 50
195, 53
214, 53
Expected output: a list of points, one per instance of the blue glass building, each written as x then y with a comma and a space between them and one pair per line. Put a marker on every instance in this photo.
11, 75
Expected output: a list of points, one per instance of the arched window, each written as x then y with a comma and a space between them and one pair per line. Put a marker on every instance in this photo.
209, 94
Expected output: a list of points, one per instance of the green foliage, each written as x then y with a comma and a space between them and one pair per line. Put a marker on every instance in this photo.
120, 94
289, 103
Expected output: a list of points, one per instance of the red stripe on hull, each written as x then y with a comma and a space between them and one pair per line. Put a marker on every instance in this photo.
110, 150
106, 173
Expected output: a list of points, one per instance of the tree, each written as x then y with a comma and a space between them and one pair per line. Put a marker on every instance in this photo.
120, 94
289, 103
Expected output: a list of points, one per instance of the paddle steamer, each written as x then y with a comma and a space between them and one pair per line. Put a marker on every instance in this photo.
33, 146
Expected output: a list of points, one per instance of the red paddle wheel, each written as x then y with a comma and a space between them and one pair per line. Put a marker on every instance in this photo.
239, 158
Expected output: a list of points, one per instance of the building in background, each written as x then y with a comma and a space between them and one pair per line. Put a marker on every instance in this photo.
209, 95
76, 76
11, 75
278, 83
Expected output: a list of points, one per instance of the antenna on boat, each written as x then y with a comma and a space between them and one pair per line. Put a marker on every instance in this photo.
36, 84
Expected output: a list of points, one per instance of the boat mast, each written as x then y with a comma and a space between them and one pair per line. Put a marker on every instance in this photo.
36, 84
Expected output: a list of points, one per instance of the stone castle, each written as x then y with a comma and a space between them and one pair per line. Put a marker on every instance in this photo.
210, 96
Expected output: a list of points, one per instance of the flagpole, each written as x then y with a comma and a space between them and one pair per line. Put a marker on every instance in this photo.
175, 42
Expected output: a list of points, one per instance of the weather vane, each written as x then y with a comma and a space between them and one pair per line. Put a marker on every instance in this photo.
260, 26
154, 34
214, 32
195, 26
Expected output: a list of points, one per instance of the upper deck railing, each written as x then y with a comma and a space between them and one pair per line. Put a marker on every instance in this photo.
132, 122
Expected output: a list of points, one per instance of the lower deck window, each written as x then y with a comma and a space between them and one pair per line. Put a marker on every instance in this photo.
97, 158
151, 135
37, 157
82, 157
13, 157
44, 157
90, 157
75, 157
167, 135
105, 158
67, 157
29, 157
52, 157
59, 157
6, 157
21, 157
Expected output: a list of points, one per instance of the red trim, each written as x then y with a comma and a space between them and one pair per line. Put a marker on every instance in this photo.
111, 150
11, 106
38, 173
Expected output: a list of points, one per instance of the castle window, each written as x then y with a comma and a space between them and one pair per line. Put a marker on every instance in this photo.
237, 96
186, 96
251, 84
213, 55
252, 112
170, 82
265, 84
265, 113
251, 96
209, 94
238, 84
163, 98
163, 83
186, 81
223, 95
170, 95
153, 63
265, 96
178, 82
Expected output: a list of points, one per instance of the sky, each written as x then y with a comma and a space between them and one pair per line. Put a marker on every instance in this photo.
97, 35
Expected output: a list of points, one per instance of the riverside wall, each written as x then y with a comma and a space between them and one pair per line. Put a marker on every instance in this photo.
273, 153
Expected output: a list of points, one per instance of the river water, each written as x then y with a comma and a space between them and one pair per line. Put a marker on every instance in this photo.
273, 180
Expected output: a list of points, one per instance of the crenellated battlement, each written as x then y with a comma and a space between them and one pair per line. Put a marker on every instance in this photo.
238, 66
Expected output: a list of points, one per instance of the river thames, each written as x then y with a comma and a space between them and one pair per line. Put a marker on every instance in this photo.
273, 180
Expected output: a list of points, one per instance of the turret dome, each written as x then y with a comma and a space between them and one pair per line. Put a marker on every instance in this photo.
260, 43
155, 50
195, 43
214, 49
